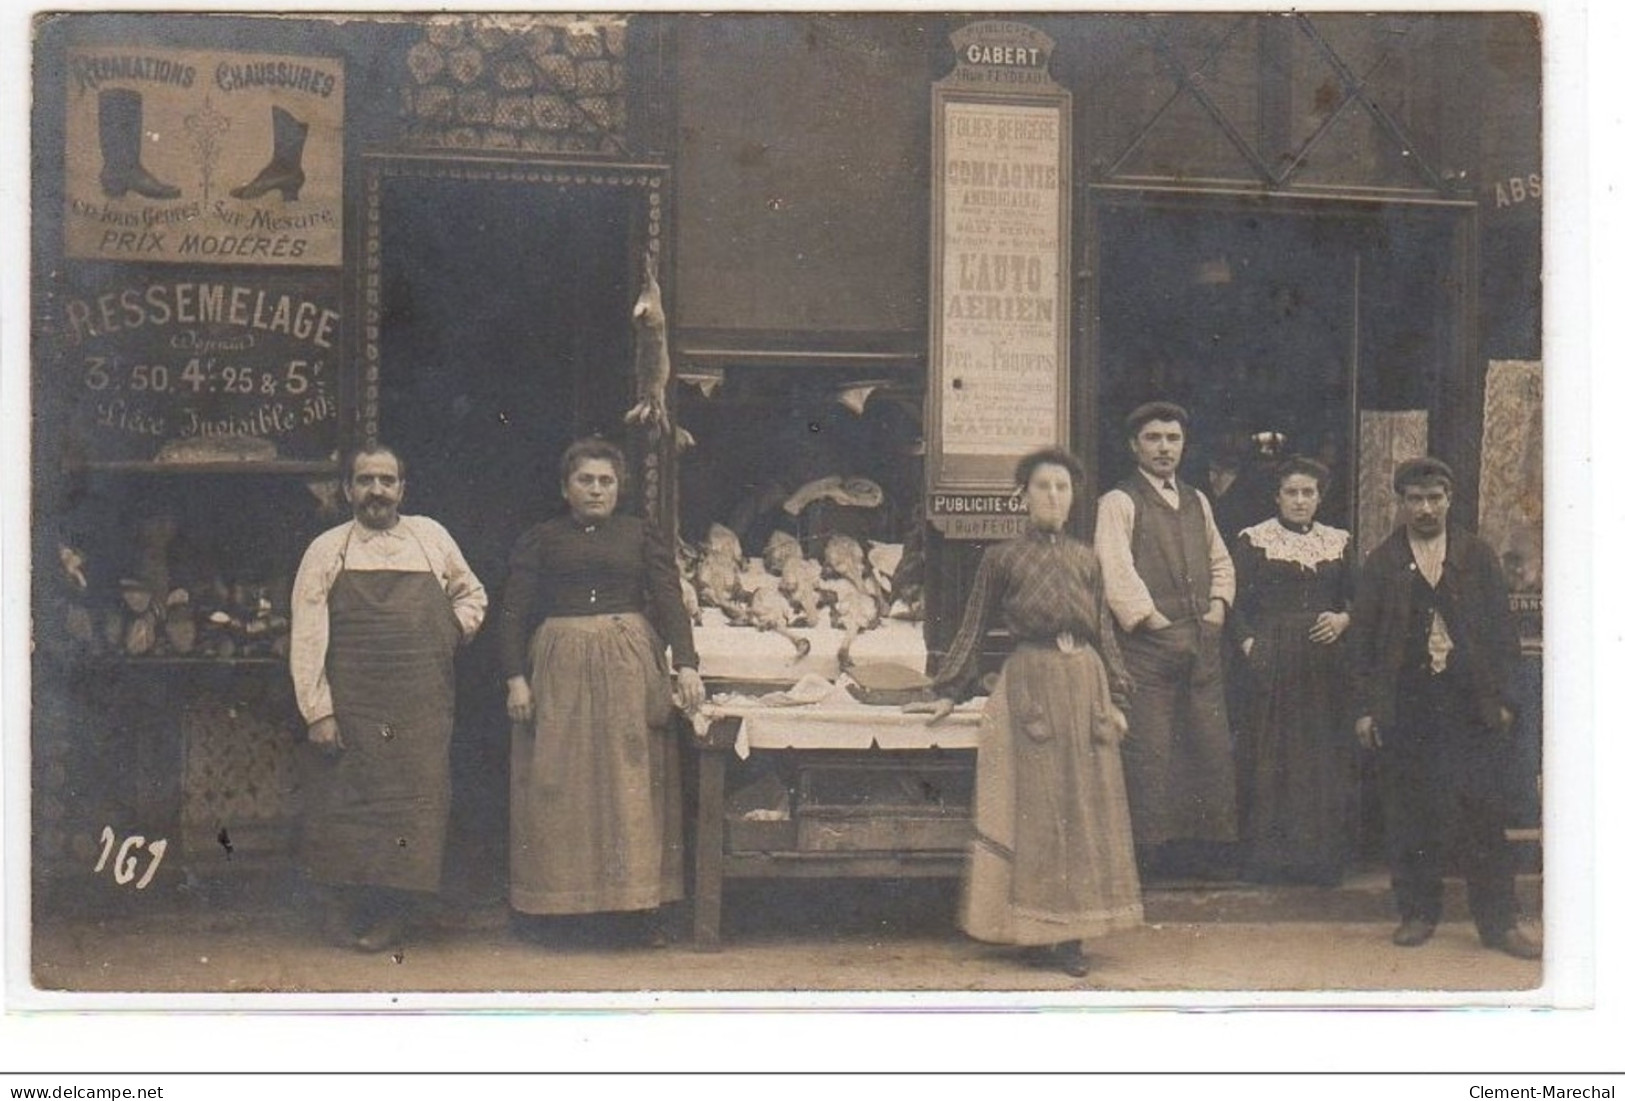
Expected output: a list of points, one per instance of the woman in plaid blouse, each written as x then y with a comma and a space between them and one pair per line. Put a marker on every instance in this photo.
1052, 860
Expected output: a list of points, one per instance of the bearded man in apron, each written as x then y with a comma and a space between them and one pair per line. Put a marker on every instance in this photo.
380, 605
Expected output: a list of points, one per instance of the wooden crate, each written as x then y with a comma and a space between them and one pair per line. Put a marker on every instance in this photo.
880, 830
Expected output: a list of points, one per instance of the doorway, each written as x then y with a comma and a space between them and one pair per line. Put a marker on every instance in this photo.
1276, 324
504, 298
1279, 324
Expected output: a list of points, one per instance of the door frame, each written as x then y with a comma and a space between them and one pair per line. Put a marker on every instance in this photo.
648, 187
1455, 411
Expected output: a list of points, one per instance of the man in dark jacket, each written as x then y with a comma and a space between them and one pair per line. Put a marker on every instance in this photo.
1434, 650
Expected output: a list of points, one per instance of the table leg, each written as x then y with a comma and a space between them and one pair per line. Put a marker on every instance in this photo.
708, 853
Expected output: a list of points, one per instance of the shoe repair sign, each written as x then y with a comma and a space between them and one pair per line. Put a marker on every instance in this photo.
197, 367
198, 157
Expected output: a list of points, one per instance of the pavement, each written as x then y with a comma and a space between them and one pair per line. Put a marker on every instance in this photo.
897, 938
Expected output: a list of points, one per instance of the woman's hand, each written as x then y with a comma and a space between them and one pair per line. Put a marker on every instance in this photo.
1247, 647
1118, 722
690, 690
939, 709
521, 705
1329, 627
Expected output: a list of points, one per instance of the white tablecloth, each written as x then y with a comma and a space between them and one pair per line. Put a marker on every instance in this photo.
839, 722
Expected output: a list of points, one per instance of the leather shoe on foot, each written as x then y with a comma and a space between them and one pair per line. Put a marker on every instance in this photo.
1039, 956
1069, 959
1412, 932
1516, 944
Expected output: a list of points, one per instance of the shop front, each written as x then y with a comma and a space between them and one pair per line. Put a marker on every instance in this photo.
262, 242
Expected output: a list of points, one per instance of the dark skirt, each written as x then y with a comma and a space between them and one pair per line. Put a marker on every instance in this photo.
596, 818
1298, 755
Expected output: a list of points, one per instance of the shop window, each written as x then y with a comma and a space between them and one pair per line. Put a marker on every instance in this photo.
766, 436
198, 567
162, 704
817, 474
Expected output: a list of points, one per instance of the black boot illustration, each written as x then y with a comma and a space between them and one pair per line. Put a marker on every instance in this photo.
119, 118
285, 172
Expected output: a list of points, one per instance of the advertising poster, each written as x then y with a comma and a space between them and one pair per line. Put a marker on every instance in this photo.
1001, 222
1003, 313
201, 156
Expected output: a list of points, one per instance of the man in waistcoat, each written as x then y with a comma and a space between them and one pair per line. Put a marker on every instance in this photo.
380, 605
1434, 650
1169, 582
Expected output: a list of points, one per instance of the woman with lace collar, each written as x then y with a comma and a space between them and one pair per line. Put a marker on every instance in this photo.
1296, 759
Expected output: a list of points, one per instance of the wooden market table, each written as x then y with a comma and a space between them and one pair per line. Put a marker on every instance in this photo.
868, 792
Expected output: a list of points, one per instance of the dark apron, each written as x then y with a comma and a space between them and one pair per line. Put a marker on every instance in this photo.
377, 812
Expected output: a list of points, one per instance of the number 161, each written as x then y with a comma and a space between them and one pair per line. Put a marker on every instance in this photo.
126, 862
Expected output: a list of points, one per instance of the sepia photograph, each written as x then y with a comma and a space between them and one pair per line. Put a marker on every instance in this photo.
601, 509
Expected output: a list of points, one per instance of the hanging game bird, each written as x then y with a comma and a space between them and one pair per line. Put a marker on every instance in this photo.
653, 360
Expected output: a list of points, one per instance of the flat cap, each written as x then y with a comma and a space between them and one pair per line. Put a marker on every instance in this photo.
1417, 471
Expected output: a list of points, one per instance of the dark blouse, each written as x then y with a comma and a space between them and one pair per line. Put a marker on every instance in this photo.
562, 568
1282, 570
1038, 586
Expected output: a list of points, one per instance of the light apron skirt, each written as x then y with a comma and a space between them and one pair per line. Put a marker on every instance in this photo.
1052, 859
596, 818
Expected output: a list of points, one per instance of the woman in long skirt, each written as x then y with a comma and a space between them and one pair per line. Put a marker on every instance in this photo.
1297, 763
591, 605
1052, 861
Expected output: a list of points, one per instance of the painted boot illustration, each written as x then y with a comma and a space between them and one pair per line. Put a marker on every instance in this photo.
119, 120
284, 172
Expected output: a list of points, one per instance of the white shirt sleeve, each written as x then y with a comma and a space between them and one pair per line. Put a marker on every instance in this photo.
1126, 594
467, 592
307, 643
